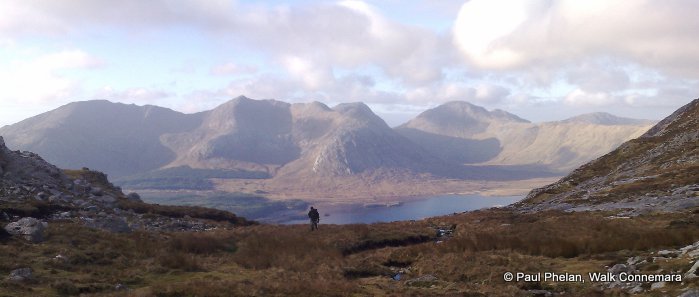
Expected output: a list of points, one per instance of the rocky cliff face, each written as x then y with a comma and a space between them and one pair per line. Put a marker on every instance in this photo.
25, 175
32, 187
657, 171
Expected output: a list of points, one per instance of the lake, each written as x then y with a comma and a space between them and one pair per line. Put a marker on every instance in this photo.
413, 210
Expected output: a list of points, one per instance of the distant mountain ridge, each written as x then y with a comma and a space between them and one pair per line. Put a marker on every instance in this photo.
117, 138
604, 118
463, 133
310, 146
657, 171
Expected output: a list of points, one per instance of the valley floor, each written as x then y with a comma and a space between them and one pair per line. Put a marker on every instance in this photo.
458, 255
362, 191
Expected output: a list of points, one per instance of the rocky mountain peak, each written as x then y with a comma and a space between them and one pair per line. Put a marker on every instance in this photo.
463, 109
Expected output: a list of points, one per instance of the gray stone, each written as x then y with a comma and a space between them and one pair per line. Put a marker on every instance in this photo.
64, 215
91, 208
692, 272
56, 198
134, 197
668, 253
110, 223
619, 268
658, 285
105, 199
636, 290
690, 293
97, 191
29, 228
41, 196
20, 275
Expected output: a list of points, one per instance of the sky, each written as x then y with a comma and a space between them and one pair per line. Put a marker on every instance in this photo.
543, 60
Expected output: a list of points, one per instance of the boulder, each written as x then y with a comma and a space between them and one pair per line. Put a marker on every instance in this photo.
30, 228
134, 197
20, 275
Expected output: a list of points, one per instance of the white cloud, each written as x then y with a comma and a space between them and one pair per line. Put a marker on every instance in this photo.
133, 95
481, 24
485, 94
312, 76
40, 79
581, 98
553, 33
346, 34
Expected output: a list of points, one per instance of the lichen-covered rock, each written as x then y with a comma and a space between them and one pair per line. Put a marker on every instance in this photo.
113, 224
29, 228
20, 275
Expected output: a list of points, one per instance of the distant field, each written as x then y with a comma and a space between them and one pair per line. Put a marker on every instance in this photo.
245, 205
183, 178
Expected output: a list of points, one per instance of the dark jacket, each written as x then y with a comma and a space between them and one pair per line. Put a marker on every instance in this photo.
314, 215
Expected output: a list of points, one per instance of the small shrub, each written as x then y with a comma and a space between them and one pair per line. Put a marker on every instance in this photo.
66, 288
175, 211
179, 260
200, 243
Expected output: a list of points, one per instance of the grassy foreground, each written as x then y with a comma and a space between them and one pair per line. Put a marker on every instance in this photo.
347, 260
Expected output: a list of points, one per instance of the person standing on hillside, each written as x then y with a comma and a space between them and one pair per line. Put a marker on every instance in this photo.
315, 218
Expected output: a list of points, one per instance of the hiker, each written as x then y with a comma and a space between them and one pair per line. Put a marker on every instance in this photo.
315, 218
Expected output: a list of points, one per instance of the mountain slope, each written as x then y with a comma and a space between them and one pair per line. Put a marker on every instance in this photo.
116, 138
657, 170
464, 133
297, 140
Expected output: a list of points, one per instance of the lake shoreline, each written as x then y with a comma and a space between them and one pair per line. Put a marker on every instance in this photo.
414, 209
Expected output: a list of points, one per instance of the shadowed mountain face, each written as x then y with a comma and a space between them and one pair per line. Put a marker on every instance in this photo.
242, 130
117, 138
463, 133
298, 139
657, 170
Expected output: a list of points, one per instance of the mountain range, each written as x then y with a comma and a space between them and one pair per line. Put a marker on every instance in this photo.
464, 133
310, 147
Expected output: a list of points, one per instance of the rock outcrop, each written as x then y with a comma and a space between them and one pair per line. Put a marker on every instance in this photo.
655, 172
30, 229
30, 184
21, 275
